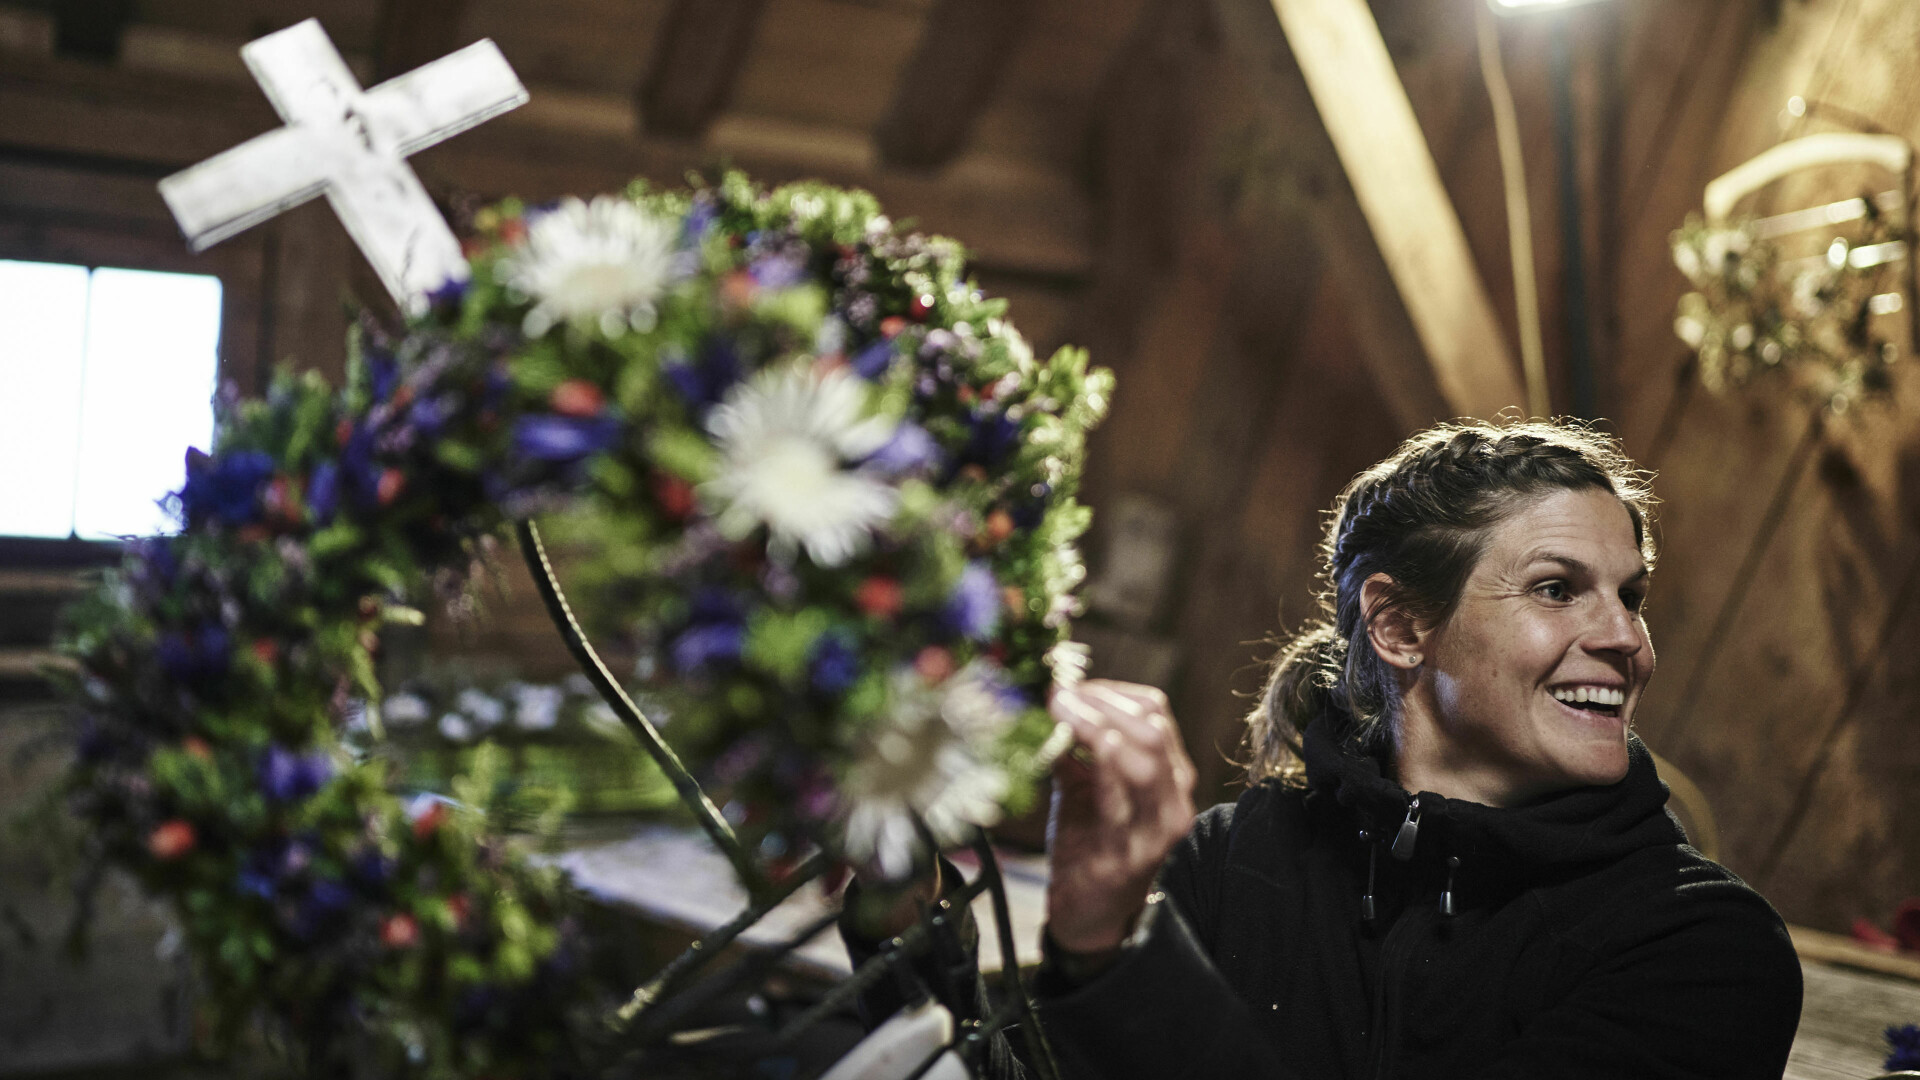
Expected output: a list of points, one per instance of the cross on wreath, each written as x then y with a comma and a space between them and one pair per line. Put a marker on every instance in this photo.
350, 145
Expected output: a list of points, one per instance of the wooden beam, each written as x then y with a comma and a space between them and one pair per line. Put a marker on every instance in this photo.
695, 65
90, 28
1385, 224
416, 32
947, 84
1015, 219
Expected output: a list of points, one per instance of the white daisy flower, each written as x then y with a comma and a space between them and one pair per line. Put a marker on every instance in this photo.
788, 439
929, 759
603, 263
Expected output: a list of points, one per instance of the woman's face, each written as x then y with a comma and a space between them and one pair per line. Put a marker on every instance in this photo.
1530, 685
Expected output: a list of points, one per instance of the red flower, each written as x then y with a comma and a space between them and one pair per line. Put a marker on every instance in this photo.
880, 597
1016, 600
999, 526
674, 495
461, 907
922, 306
171, 840
392, 481
429, 822
934, 664
577, 397
892, 325
399, 931
197, 746
268, 650
513, 230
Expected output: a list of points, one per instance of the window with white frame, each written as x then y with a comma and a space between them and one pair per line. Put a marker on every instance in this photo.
106, 378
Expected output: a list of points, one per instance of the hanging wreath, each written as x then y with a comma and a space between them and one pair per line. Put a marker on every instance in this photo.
832, 492
1753, 314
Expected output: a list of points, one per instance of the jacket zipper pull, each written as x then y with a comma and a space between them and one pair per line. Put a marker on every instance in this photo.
1373, 856
1446, 894
1409, 832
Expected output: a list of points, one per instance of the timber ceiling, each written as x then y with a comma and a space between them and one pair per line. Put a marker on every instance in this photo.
948, 108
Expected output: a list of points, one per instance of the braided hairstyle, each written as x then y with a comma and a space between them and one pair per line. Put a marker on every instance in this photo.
1420, 517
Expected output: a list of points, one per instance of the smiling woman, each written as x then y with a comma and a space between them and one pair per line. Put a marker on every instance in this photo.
1454, 858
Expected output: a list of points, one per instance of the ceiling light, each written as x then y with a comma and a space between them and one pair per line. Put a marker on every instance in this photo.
1526, 7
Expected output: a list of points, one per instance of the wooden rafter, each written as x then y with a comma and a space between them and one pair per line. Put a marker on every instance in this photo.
90, 28
695, 65
416, 32
941, 91
1322, 77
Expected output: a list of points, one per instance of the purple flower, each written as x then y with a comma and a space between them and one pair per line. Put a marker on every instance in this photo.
1027, 513
705, 381
705, 645
564, 438
973, 609
370, 869
699, 219
448, 293
1905, 1043
909, 450
383, 372
361, 474
195, 657
835, 665
226, 489
779, 271
991, 436
319, 909
429, 415
157, 564
323, 491
285, 776
253, 882
871, 362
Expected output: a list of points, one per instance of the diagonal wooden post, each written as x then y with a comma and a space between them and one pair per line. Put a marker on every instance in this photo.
1387, 227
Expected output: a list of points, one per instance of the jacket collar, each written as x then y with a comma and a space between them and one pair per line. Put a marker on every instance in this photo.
1565, 830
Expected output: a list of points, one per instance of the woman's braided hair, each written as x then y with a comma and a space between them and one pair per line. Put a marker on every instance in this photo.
1421, 518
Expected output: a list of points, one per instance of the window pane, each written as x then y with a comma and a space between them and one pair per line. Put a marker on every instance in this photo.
43, 321
151, 360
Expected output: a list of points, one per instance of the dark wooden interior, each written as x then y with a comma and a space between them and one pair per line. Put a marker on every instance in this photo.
1153, 179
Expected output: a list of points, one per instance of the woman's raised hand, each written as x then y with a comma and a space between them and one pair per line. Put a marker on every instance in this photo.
1121, 800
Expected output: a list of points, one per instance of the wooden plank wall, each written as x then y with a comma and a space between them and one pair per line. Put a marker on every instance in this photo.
1799, 725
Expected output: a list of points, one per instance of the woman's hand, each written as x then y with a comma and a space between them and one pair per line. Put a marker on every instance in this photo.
1121, 799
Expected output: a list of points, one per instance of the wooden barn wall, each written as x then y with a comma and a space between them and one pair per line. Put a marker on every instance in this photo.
1796, 722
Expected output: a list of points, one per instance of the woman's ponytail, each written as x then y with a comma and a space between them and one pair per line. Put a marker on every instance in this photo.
1304, 684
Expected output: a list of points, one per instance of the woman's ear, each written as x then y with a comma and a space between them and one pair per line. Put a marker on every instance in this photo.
1395, 637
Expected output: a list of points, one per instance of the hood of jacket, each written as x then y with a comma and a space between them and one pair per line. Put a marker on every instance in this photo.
1565, 831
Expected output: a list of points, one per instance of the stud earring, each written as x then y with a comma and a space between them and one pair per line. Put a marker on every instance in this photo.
1413, 659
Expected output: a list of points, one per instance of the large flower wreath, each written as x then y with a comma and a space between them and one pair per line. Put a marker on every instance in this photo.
833, 489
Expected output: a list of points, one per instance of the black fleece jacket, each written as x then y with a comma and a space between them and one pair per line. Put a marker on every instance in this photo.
1586, 939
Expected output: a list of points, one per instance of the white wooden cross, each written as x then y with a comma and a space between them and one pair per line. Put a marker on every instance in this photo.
350, 145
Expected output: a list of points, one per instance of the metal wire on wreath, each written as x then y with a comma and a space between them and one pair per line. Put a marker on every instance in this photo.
658, 1008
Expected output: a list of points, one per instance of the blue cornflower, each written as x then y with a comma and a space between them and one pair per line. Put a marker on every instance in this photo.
973, 608
323, 491
1904, 1041
871, 362
703, 382
705, 645
909, 450
197, 656
564, 438
226, 489
285, 776
835, 664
